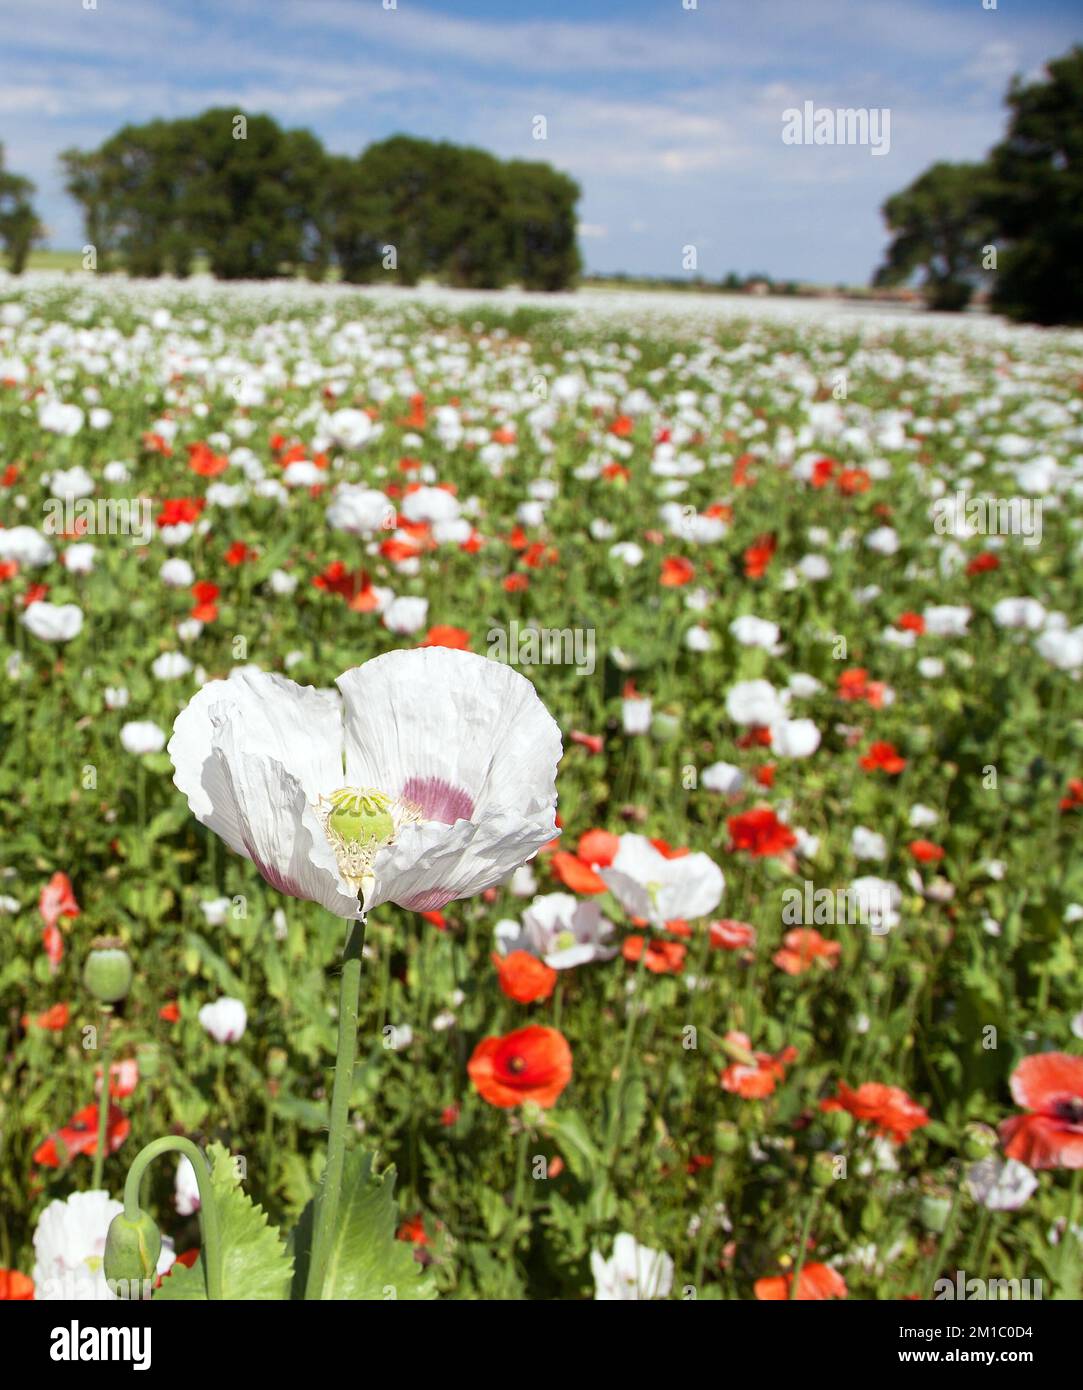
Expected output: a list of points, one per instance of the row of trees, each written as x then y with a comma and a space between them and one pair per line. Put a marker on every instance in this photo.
256, 201
1019, 214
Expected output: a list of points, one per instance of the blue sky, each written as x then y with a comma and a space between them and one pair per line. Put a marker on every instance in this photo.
669, 118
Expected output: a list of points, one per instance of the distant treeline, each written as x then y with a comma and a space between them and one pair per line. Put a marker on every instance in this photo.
251, 201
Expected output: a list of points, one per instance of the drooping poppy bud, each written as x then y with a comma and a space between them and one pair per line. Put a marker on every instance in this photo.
132, 1247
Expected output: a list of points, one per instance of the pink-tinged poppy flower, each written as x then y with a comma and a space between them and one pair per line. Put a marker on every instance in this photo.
57, 900
802, 948
659, 888
433, 778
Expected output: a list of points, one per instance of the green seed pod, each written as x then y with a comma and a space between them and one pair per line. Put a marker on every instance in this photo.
823, 1169
149, 1060
727, 1137
934, 1213
107, 973
132, 1247
665, 728
277, 1061
979, 1141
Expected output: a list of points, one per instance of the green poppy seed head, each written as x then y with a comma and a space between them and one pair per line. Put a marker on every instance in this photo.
361, 816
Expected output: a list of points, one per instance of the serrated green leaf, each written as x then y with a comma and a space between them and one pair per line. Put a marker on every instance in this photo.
366, 1261
255, 1261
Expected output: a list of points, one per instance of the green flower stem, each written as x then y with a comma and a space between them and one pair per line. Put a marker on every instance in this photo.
1066, 1239
516, 1208
103, 1105
802, 1250
208, 1211
327, 1205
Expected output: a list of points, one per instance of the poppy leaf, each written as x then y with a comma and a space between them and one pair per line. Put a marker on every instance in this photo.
255, 1262
366, 1261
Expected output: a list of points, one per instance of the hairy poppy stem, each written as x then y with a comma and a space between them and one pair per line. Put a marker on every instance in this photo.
327, 1203
208, 1211
103, 1106
1064, 1263
802, 1250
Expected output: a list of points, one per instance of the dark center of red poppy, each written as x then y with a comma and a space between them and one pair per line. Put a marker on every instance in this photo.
1069, 1108
516, 1065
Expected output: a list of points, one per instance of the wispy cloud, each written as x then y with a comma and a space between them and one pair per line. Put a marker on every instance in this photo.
669, 118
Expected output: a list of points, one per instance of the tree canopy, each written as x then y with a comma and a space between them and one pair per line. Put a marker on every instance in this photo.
255, 201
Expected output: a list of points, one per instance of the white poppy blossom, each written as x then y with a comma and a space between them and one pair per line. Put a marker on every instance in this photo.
559, 929
648, 885
433, 780
633, 1271
69, 1243
53, 622
225, 1020
142, 736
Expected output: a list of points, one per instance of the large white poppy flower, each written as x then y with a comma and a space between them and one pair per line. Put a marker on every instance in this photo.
433, 781
69, 1243
648, 885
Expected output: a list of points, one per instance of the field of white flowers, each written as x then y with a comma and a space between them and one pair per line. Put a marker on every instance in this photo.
678, 894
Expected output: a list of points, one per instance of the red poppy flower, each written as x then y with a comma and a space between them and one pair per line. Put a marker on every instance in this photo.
57, 900
413, 1230
52, 1020
911, 622
203, 461
925, 851
883, 757
730, 935
457, 638
802, 947
889, 1108
983, 562
533, 1064
596, 850
760, 833
239, 554
1074, 799
676, 572
753, 1075
15, 1287
524, 977
1049, 1085
663, 957
516, 583
593, 743
823, 470
851, 481
815, 1283
205, 593
180, 511
80, 1136
170, 1013
758, 556
854, 684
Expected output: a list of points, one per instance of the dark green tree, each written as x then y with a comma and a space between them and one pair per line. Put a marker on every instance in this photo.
939, 228
543, 252
1036, 198
19, 225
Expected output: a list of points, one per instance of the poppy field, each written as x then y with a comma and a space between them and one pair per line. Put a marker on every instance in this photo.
678, 894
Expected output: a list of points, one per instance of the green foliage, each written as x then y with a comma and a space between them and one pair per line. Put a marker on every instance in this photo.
255, 1260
